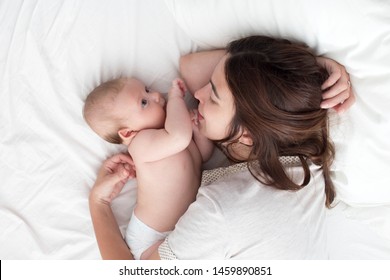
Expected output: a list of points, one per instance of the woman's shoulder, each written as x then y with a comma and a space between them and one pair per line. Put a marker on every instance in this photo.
240, 171
235, 184
212, 176
273, 219
249, 220
228, 186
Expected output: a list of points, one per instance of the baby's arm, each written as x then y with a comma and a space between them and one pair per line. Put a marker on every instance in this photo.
197, 68
178, 121
155, 144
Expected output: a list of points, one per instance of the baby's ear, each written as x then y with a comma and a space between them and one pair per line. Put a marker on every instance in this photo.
126, 135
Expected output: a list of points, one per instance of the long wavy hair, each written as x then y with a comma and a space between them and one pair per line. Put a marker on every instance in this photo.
276, 86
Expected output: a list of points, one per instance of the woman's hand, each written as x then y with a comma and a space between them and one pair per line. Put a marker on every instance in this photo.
112, 176
339, 94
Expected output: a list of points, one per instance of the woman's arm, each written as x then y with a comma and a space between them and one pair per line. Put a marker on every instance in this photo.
112, 177
109, 238
196, 68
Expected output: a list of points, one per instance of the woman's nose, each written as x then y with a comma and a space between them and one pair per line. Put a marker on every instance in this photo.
200, 94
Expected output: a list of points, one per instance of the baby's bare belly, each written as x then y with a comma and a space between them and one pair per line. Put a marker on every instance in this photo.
165, 189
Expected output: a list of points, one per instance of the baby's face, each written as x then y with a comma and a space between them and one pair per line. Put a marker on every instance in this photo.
140, 107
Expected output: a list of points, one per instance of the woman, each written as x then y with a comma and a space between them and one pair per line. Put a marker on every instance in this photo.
262, 106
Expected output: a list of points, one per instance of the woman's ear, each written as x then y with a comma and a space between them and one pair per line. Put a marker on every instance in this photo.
246, 138
126, 135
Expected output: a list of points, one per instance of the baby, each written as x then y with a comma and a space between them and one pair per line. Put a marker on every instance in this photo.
166, 150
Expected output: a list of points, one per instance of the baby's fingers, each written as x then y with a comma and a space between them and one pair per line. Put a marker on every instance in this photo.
178, 87
194, 116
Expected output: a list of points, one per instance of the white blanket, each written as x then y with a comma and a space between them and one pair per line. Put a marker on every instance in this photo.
53, 52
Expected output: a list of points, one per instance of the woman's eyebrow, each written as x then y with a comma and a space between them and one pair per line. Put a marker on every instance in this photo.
214, 89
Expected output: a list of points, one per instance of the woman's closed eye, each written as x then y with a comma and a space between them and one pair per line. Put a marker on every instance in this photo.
213, 94
213, 99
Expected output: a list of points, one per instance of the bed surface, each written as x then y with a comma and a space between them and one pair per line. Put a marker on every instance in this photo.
53, 52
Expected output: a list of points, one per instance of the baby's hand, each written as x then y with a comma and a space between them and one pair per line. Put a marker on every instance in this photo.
195, 121
194, 116
178, 89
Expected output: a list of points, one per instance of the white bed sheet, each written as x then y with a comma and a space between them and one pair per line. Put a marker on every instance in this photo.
53, 52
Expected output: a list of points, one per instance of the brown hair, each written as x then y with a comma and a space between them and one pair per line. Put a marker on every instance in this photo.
97, 107
276, 86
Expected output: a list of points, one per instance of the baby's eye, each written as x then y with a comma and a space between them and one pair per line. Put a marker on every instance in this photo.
147, 89
144, 103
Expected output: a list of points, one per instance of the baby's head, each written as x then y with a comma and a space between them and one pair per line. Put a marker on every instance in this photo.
116, 110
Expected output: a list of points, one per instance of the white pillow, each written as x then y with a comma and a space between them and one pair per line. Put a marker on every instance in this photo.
354, 32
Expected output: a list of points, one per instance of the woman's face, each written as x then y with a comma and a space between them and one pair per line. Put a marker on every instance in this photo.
216, 105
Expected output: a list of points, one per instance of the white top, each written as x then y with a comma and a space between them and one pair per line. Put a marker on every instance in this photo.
236, 217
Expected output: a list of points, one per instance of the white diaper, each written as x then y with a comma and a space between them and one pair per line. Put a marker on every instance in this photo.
139, 237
